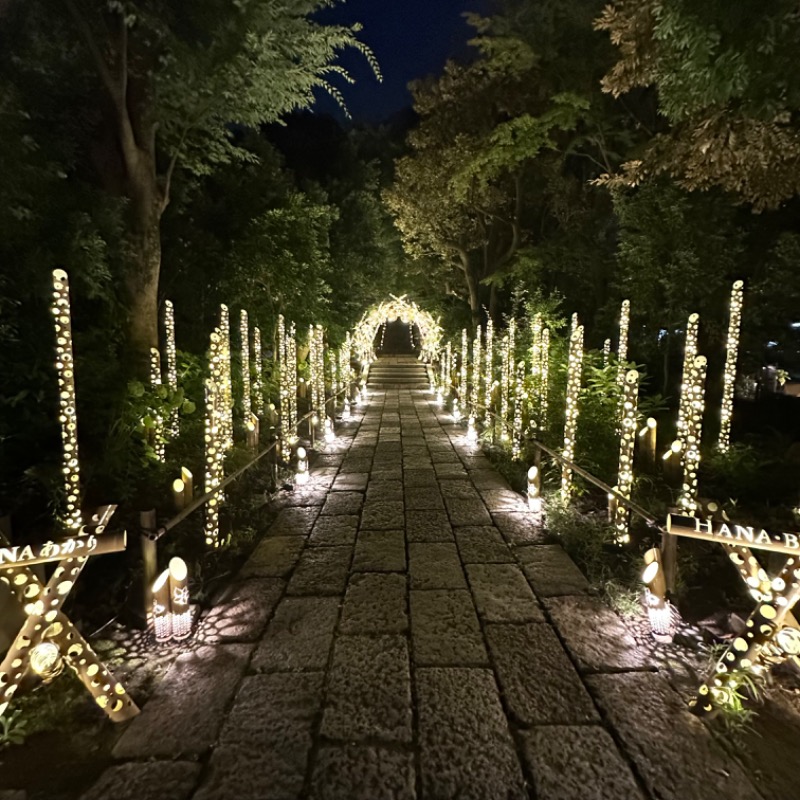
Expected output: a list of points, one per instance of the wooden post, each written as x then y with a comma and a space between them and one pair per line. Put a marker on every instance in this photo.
669, 560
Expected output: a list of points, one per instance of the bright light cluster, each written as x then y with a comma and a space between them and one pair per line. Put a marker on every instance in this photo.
622, 350
316, 362
519, 400
158, 430
214, 438
689, 355
244, 339
506, 373
540, 364
475, 386
258, 386
288, 362
574, 370
489, 375
172, 613
606, 351
68, 417
172, 362
630, 398
226, 380
462, 374
731, 357
695, 391
430, 330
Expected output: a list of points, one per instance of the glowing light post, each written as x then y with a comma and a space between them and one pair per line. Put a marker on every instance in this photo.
258, 383
575, 367
731, 357
463, 375
506, 371
647, 443
319, 372
244, 334
606, 352
301, 476
659, 609
172, 363
65, 368
213, 462
630, 397
519, 396
687, 499
544, 379
330, 432
448, 369
156, 433
475, 386
489, 368
534, 489
225, 386
622, 350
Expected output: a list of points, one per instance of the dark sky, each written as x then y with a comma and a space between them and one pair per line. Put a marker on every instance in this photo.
410, 38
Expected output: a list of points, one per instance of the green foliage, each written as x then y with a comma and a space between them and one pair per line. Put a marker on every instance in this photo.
13, 729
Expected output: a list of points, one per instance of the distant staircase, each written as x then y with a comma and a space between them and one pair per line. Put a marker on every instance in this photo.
397, 372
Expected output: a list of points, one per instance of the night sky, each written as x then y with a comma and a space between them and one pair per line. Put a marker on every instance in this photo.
410, 38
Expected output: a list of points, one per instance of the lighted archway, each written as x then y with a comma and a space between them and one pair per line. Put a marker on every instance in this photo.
389, 310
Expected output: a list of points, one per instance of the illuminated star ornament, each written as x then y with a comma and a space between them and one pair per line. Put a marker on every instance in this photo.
47, 639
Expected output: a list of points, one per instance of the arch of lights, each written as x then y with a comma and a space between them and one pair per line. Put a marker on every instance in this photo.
406, 311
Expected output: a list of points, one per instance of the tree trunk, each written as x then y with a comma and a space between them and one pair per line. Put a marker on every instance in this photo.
474, 296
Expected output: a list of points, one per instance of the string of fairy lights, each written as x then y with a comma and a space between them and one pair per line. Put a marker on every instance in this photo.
627, 442
731, 358
574, 370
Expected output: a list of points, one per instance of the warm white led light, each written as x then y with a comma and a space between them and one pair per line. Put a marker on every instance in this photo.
731, 357
630, 396
574, 370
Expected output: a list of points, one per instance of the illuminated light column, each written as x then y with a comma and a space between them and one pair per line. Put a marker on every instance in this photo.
544, 379
158, 428
606, 352
627, 440
519, 396
172, 363
489, 370
226, 386
463, 375
534, 489
68, 417
689, 355
505, 379
244, 338
162, 616
622, 350
536, 346
179, 598
301, 476
258, 383
731, 357
313, 400
687, 500
573, 326
659, 610
574, 369
319, 372
291, 376
213, 440
475, 386
648, 437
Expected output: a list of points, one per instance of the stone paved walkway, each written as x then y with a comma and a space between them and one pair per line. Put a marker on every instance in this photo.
402, 632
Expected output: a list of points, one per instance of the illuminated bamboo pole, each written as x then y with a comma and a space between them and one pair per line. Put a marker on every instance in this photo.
627, 440
162, 616
313, 400
448, 360
574, 369
544, 379
622, 350
258, 382
463, 373
536, 347
319, 339
291, 383
244, 339
505, 370
172, 363
519, 389
731, 357
158, 427
180, 608
226, 385
214, 444
475, 394
489, 372
689, 355
648, 437
573, 325
67, 417
606, 352
687, 500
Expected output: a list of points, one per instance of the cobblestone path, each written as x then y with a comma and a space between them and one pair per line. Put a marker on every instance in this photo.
402, 632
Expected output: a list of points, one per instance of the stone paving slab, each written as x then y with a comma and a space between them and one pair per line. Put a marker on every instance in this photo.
362, 773
577, 763
242, 611
263, 749
482, 544
343, 503
428, 526
332, 531
375, 603
435, 565
419, 478
187, 709
383, 515
170, 780
386, 490
502, 594
674, 753
466, 748
369, 690
295, 521
445, 630
594, 635
380, 551
467, 513
299, 636
551, 571
518, 528
273, 557
351, 482
321, 570
539, 683
424, 498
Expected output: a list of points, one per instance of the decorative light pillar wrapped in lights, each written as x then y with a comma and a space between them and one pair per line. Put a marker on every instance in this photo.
475, 386
244, 334
258, 383
179, 598
488, 373
70, 468
288, 383
689, 355
158, 428
627, 440
214, 449
622, 350
731, 357
695, 389
225, 386
506, 370
462, 373
172, 362
606, 352
313, 367
448, 368
544, 380
659, 609
519, 399
319, 371
574, 370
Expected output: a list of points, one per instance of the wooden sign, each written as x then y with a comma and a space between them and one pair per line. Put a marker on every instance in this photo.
733, 534
91, 545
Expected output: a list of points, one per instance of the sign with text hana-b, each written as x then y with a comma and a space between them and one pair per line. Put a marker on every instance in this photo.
731, 533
